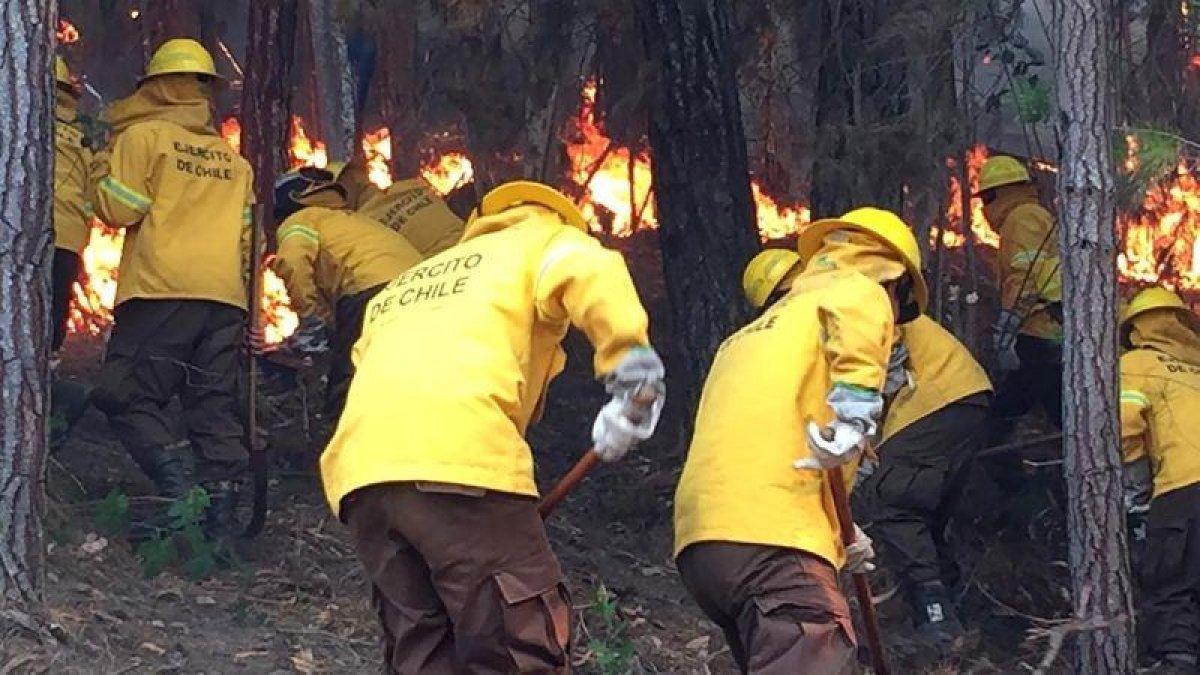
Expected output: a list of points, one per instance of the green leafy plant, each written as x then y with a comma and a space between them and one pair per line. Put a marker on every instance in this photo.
184, 526
1030, 98
112, 513
609, 644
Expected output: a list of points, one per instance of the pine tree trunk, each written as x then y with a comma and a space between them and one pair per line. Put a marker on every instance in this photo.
701, 184
26, 240
1096, 519
266, 93
335, 83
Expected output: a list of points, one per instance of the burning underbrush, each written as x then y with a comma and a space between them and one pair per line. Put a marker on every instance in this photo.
615, 188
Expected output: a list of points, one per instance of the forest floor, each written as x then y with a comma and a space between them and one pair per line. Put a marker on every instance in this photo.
297, 601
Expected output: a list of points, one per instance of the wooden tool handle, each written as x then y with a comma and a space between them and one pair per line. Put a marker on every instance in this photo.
567, 483
642, 399
862, 585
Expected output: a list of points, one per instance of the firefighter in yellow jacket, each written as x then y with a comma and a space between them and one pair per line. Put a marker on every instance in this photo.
429, 467
336, 258
410, 207
183, 196
936, 423
1160, 403
796, 391
73, 197
1027, 336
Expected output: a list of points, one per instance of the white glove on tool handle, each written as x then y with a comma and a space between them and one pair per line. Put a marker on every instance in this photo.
1004, 341
639, 392
860, 554
857, 413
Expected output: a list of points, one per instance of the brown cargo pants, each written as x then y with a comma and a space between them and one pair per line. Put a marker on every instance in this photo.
781, 609
463, 580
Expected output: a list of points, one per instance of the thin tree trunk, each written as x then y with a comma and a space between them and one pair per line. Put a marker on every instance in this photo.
1098, 556
26, 191
707, 227
335, 83
266, 94
399, 98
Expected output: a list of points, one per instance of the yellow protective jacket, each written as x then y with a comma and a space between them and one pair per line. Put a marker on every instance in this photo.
185, 201
413, 209
1160, 400
73, 186
767, 381
326, 254
1029, 272
456, 354
944, 372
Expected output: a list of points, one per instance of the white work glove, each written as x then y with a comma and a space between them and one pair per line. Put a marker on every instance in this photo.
860, 554
897, 374
1004, 341
638, 393
856, 413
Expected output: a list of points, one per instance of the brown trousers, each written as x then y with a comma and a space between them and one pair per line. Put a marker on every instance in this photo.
781, 609
463, 580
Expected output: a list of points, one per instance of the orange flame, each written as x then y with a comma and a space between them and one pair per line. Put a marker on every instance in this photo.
617, 183
952, 235
1159, 242
67, 33
305, 152
231, 131
445, 173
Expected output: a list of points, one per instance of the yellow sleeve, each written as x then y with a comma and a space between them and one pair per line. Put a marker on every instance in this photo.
295, 263
857, 329
123, 194
1135, 407
580, 280
1031, 264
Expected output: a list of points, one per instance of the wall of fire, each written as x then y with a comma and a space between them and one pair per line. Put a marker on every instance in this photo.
107, 43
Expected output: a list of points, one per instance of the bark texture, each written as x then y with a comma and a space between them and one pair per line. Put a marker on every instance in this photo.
702, 188
26, 240
335, 84
266, 93
1096, 517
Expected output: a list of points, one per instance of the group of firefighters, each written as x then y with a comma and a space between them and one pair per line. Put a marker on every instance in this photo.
447, 334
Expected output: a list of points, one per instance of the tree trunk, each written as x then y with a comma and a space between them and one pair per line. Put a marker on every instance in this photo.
335, 83
167, 19
1096, 518
266, 94
701, 184
26, 240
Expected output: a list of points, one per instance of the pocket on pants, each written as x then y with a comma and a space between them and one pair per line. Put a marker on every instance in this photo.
537, 622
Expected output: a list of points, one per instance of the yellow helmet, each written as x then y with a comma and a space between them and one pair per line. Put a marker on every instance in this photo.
1154, 297
62, 74
764, 272
1001, 170
885, 226
180, 56
517, 192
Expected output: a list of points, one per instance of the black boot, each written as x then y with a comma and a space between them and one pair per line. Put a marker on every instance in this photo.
166, 467
934, 616
220, 519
